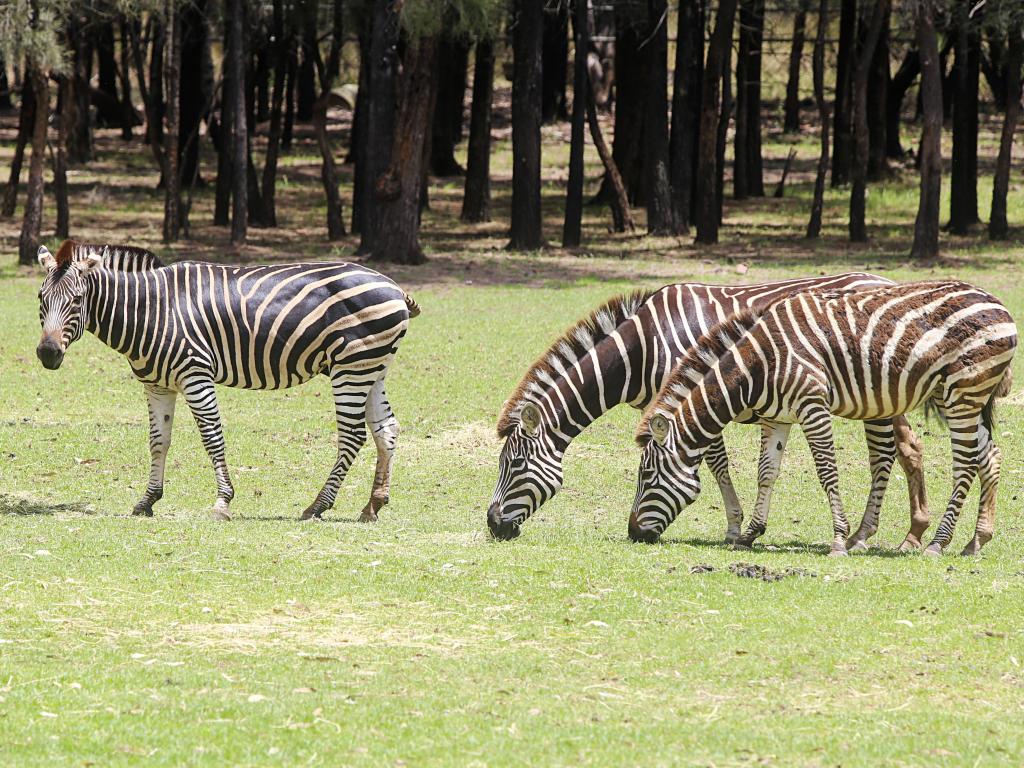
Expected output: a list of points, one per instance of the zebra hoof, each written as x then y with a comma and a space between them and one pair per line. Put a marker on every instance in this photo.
933, 550
741, 546
220, 513
368, 516
909, 545
312, 512
858, 545
142, 510
838, 553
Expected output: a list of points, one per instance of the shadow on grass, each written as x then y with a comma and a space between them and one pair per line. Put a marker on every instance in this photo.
16, 505
784, 547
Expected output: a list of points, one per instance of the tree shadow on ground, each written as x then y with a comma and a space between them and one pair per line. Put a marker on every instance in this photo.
792, 547
18, 505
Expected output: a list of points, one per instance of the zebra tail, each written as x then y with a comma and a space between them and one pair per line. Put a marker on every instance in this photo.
988, 413
410, 303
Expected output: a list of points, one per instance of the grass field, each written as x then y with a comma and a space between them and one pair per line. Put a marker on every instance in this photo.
418, 640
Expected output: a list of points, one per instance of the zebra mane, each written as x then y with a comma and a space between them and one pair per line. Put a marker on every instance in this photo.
692, 368
118, 258
572, 345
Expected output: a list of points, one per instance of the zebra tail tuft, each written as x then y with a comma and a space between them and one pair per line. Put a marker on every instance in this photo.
414, 308
988, 413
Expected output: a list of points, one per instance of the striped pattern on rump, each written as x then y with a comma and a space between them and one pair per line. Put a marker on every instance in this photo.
868, 355
187, 327
621, 353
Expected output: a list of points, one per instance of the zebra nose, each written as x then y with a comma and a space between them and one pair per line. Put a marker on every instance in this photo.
503, 530
49, 354
642, 534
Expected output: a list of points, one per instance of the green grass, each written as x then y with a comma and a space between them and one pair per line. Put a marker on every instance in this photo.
174, 640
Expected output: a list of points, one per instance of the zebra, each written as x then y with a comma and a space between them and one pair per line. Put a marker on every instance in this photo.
187, 327
621, 353
866, 355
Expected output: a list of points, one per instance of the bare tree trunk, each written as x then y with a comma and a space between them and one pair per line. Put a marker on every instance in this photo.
31, 225
446, 131
728, 103
571, 228
291, 72
963, 187
329, 169
877, 94
306, 81
707, 163
659, 203
909, 69
79, 146
172, 176
128, 119
238, 140
622, 218
279, 55
686, 109
192, 101
65, 107
998, 228
861, 137
791, 122
360, 129
108, 106
526, 234
5, 88
476, 196
842, 139
26, 122
825, 117
926, 227
554, 62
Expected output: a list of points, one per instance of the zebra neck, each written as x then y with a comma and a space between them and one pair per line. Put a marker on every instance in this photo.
727, 392
116, 306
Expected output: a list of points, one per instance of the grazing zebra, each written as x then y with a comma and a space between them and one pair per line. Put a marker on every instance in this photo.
866, 355
621, 353
191, 325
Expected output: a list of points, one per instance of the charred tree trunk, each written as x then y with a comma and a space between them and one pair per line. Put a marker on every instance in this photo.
825, 118
905, 76
554, 66
878, 88
686, 110
28, 242
279, 58
128, 119
755, 163
108, 106
659, 203
65, 106
79, 143
262, 75
710, 115
360, 120
622, 218
155, 130
307, 69
630, 97
572, 226
963, 189
861, 138
528, 34
741, 155
193, 101
998, 228
291, 72
476, 197
5, 87
728, 103
26, 124
926, 227
842, 149
446, 131
397, 191
329, 169
172, 171
237, 141
791, 121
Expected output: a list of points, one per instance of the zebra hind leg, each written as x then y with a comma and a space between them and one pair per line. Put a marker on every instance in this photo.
881, 454
383, 426
989, 462
773, 445
817, 425
161, 418
909, 453
202, 401
965, 431
718, 462
350, 395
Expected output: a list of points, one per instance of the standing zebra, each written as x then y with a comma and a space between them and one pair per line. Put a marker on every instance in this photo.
191, 325
622, 353
865, 355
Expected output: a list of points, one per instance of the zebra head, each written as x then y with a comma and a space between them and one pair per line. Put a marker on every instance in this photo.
61, 302
529, 473
668, 480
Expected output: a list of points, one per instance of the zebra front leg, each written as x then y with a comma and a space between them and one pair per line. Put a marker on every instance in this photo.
202, 401
817, 424
909, 452
881, 454
383, 426
989, 463
350, 414
161, 403
718, 462
773, 445
964, 433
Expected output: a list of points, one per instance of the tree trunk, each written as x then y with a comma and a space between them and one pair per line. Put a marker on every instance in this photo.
728, 104
360, 129
622, 218
571, 228
291, 72
65, 107
279, 57
307, 69
791, 122
26, 123
878, 88
707, 156
476, 197
192, 101
659, 202
630, 97
755, 163
446, 132
5, 88
554, 62
128, 119
237, 142
905, 76
155, 130
329, 169
28, 242
79, 145
262, 76
108, 106
861, 138
741, 155
686, 110
926, 227
172, 174
397, 191
842, 149
998, 228
527, 37
963, 188
825, 118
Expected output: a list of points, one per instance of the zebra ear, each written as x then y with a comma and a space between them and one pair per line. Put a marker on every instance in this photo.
46, 260
90, 263
659, 428
529, 417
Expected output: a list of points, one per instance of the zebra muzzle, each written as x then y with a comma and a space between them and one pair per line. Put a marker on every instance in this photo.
642, 534
503, 530
50, 354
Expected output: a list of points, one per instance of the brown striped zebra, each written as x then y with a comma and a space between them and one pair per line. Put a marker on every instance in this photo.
621, 353
869, 354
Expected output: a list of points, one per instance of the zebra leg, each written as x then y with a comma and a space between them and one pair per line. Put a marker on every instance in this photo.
383, 426
881, 454
989, 462
718, 462
817, 425
161, 403
202, 401
964, 433
350, 395
773, 445
909, 452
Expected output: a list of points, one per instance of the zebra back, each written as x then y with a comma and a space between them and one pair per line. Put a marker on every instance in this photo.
118, 258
